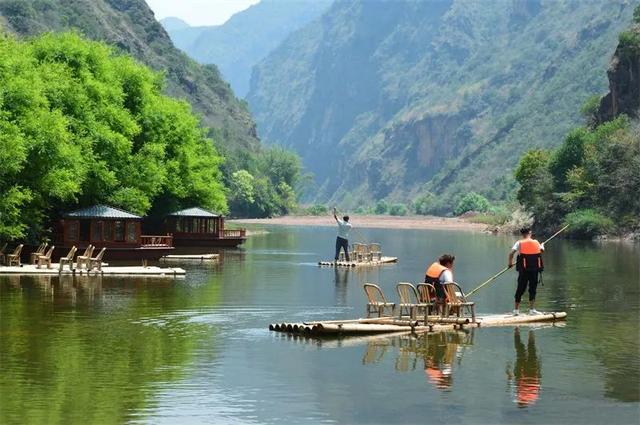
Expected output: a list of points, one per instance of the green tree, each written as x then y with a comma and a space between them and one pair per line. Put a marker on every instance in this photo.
80, 124
382, 207
398, 209
423, 204
472, 201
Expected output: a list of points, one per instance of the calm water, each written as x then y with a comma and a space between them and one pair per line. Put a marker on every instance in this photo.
197, 350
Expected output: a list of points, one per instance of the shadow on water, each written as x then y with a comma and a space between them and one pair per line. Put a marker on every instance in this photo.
524, 376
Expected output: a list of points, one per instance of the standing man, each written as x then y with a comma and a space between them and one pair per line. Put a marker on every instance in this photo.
438, 274
342, 241
529, 265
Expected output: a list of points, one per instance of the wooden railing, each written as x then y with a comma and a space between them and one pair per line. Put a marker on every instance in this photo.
234, 233
165, 240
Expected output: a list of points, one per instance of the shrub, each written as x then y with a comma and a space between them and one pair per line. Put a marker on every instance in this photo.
382, 207
472, 202
588, 223
317, 209
398, 209
423, 205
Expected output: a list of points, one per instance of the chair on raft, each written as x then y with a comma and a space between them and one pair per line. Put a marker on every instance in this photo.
68, 259
360, 252
410, 301
15, 256
377, 303
375, 252
83, 260
45, 258
427, 295
456, 300
33, 258
96, 262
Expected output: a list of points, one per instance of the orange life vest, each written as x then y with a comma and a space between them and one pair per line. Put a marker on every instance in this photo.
530, 258
432, 275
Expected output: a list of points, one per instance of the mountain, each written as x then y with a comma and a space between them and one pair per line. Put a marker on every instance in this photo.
131, 27
392, 99
172, 23
247, 37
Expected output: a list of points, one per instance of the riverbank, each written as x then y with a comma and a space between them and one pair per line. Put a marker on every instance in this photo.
372, 221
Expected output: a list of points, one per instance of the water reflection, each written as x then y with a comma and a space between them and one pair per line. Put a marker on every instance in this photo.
524, 376
440, 352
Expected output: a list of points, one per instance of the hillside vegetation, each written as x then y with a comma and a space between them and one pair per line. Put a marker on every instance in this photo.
592, 180
407, 101
80, 124
247, 37
130, 27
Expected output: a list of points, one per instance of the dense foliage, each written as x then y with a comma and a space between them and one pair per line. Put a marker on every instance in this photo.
81, 125
384, 98
590, 181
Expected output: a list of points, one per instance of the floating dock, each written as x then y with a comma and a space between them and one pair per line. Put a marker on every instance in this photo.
28, 269
381, 261
391, 325
191, 257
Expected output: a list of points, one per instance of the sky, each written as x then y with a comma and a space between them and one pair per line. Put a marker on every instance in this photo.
199, 12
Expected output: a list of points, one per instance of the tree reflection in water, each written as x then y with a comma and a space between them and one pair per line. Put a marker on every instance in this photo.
524, 376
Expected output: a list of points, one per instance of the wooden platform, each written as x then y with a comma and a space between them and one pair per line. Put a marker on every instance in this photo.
382, 261
28, 269
395, 325
191, 257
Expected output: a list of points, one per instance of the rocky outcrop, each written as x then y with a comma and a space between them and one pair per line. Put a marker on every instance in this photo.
624, 79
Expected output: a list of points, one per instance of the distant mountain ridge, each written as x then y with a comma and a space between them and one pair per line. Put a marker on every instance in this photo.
387, 100
172, 23
246, 38
131, 26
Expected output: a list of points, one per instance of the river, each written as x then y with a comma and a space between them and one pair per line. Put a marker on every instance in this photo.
197, 350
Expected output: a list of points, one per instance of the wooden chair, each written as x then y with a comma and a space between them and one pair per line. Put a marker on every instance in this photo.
33, 258
68, 259
96, 262
410, 301
456, 300
376, 301
15, 257
359, 252
375, 252
2, 254
427, 295
83, 260
46, 258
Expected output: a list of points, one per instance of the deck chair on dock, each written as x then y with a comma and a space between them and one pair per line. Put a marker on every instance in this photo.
375, 252
68, 259
377, 303
456, 300
96, 262
45, 258
33, 258
14, 258
2, 254
83, 260
410, 301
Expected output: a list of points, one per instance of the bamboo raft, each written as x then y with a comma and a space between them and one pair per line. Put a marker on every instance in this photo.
381, 261
391, 325
191, 257
27, 269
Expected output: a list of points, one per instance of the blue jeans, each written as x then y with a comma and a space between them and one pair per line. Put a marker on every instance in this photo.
344, 244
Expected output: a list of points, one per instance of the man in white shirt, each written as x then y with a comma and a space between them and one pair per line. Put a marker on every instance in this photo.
342, 241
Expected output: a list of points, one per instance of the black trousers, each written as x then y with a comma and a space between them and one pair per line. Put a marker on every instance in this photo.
530, 279
344, 244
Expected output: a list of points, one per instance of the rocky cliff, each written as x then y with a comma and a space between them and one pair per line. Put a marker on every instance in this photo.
386, 99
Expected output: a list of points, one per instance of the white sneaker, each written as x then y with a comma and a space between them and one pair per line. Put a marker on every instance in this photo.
533, 311
516, 312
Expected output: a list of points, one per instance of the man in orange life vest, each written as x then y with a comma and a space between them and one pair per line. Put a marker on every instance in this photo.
439, 273
529, 265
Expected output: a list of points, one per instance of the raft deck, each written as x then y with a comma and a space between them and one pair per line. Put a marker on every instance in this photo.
28, 269
191, 257
395, 325
383, 260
